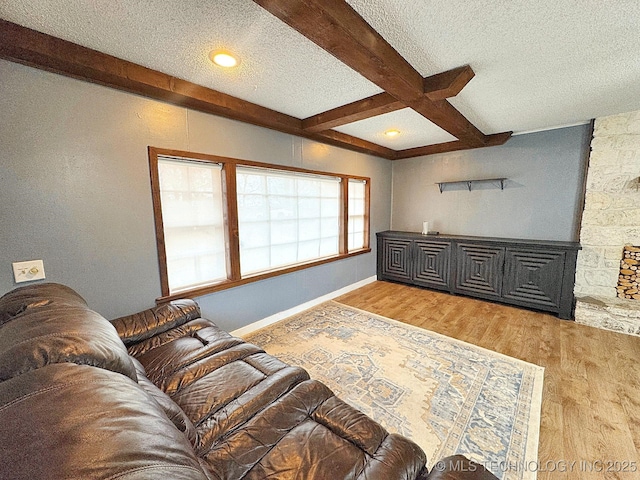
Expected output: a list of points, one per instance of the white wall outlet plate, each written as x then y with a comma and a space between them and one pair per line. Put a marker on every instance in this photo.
28, 271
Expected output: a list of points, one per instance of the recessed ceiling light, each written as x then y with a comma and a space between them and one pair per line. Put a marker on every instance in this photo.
223, 58
392, 133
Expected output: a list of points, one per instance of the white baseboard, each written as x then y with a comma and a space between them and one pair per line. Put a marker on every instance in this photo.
252, 327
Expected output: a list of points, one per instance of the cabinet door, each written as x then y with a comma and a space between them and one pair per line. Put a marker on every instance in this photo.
431, 264
534, 278
479, 270
395, 259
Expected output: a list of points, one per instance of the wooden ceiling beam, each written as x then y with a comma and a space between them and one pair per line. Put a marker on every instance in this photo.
436, 87
360, 110
334, 137
447, 84
29, 47
337, 28
491, 141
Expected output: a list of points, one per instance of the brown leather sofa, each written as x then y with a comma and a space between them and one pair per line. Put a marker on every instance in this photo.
165, 394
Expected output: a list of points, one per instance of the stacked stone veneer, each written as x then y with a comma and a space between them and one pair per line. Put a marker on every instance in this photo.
611, 220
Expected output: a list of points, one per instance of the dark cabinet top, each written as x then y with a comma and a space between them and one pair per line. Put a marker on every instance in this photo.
486, 240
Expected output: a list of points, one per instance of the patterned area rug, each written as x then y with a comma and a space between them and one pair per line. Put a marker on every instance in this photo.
446, 395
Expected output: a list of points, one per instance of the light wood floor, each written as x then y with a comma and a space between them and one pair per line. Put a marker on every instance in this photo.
591, 396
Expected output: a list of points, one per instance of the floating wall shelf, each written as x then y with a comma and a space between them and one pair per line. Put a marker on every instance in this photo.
470, 182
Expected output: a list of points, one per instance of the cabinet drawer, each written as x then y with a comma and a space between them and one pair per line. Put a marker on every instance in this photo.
396, 259
479, 270
534, 277
432, 261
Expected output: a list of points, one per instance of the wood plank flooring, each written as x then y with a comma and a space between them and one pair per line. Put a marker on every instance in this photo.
591, 396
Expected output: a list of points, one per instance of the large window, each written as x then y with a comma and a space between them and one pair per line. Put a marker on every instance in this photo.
358, 214
222, 222
285, 218
193, 220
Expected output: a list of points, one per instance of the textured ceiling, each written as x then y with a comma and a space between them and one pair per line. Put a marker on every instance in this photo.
538, 65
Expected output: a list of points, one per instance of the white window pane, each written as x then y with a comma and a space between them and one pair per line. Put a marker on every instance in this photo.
254, 234
284, 254
353, 244
309, 250
329, 228
328, 246
193, 271
308, 188
356, 222
330, 189
356, 189
358, 225
309, 207
308, 229
190, 241
249, 183
303, 209
181, 271
357, 208
255, 260
192, 214
281, 207
174, 177
330, 207
253, 207
281, 185
284, 232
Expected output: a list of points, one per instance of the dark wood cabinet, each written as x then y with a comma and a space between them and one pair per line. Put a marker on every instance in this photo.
477, 270
431, 264
396, 259
529, 273
530, 276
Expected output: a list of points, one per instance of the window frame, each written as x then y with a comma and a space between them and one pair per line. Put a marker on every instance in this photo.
230, 216
365, 215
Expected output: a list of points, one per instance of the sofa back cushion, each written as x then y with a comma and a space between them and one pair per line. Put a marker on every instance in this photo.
40, 295
54, 325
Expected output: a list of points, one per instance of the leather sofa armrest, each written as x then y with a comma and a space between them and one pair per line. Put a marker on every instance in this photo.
153, 321
459, 467
68, 421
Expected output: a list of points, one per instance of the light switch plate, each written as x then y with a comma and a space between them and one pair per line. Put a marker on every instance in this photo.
28, 271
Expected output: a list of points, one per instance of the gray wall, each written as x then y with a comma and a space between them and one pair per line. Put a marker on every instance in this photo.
541, 199
74, 191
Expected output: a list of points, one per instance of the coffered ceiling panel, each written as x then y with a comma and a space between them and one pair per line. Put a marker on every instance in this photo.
415, 130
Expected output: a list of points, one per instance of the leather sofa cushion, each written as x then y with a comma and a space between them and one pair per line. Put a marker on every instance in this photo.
170, 408
39, 295
303, 432
71, 422
61, 334
148, 323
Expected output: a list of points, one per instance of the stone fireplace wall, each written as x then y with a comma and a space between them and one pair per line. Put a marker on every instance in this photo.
611, 220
